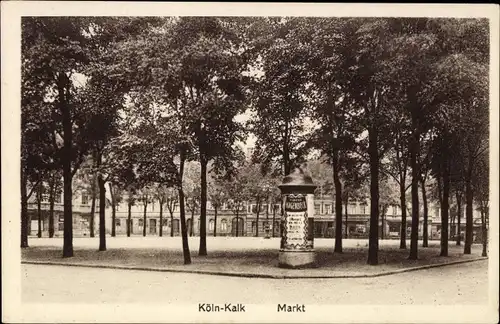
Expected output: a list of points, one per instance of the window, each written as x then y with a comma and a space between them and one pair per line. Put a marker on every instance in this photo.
363, 208
118, 222
394, 227
360, 228
141, 222
165, 222
351, 209
211, 225
317, 209
223, 225
61, 227
85, 199
328, 209
58, 197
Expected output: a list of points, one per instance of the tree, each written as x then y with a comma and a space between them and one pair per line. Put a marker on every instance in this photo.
461, 99
322, 176
333, 109
354, 177
93, 192
277, 100
56, 48
39, 194
397, 163
116, 198
480, 182
388, 197
171, 200
276, 201
192, 191
54, 190
257, 186
425, 232
160, 195
130, 202
193, 77
217, 197
457, 184
237, 193
157, 154
39, 144
369, 91
465, 115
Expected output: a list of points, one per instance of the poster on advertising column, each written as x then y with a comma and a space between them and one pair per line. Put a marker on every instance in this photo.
295, 236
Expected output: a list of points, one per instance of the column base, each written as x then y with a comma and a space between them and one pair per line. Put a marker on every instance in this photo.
297, 259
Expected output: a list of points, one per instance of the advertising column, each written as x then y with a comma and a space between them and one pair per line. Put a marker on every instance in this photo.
297, 241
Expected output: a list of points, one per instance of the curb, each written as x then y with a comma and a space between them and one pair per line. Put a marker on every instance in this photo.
253, 275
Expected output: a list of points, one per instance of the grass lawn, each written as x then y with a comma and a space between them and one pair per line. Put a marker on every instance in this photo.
246, 255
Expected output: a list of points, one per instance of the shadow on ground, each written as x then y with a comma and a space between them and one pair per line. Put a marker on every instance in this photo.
257, 262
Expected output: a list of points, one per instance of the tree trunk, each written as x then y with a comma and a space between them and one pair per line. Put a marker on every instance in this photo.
274, 219
459, 216
92, 208
346, 225
445, 209
402, 199
338, 202
215, 221
39, 208
52, 193
286, 151
185, 244
63, 97
237, 221
203, 209
266, 229
102, 210
129, 219
374, 196
144, 221
191, 229
257, 218
468, 209
161, 218
485, 231
452, 227
113, 211
415, 175
425, 232
171, 210
24, 211
68, 207
382, 216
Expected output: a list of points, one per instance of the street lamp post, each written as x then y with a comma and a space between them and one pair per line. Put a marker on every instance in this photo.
297, 240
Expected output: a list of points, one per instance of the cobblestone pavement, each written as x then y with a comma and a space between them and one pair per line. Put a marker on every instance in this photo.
451, 285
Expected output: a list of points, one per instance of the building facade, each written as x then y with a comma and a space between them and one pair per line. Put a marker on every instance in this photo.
248, 222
